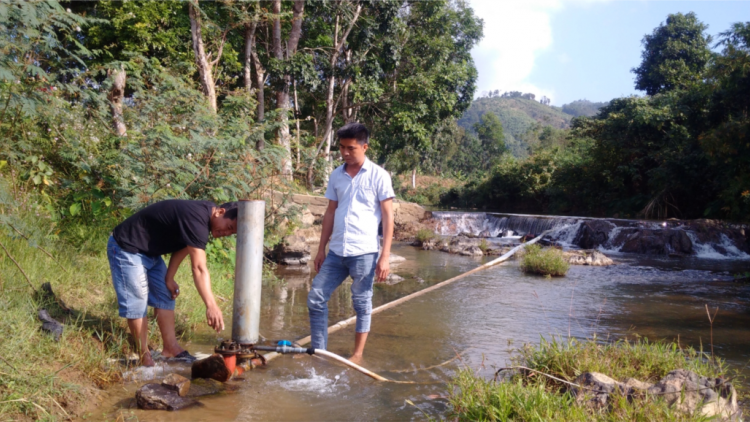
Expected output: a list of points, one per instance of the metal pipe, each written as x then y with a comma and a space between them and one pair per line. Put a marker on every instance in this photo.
248, 272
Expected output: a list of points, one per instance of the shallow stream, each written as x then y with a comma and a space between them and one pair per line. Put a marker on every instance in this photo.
484, 315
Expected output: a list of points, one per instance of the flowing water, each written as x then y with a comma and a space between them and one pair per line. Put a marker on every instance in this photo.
483, 315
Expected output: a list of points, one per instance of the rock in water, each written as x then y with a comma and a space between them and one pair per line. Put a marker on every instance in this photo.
160, 397
393, 279
177, 383
205, 387
293, 250
212, 367
472, 251
593, 258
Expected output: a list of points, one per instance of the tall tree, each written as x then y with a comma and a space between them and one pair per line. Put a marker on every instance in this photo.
490, 133
283, 51
206, 66
674, 55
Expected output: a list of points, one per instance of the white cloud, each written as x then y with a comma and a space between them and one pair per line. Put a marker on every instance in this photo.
515, 33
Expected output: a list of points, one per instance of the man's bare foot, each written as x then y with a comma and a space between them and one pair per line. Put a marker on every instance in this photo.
146, 360
356, 359
171, 352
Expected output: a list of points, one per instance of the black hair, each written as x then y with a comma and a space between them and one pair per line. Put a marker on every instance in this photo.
356, 131
231, 210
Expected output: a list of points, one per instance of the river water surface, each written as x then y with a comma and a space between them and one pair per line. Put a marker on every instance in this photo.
483, 317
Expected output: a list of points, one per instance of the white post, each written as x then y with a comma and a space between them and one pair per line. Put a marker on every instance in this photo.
248, 272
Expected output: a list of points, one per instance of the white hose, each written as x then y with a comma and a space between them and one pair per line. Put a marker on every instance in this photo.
350, 364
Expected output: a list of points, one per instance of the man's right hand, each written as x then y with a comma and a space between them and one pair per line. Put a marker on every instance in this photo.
214, 318
319, 260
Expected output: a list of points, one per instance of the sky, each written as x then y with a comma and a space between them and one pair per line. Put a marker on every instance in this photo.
577, 49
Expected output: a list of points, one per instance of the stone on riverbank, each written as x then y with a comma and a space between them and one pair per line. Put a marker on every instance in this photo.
293, 250
161, 397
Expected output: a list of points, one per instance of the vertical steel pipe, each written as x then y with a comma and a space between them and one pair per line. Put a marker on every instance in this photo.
248, 271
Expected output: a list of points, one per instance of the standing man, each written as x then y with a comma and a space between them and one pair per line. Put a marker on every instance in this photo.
140, 278
360, 195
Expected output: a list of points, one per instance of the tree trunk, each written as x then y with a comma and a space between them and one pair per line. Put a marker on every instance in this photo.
282, 94
249, 47
201, 60
116, 95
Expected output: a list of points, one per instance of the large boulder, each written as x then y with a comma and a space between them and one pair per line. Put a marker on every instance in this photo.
593, 233
293, 250
407, 212
160, 397
645, 241
679, 241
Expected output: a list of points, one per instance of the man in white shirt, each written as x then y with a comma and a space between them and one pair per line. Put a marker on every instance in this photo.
360, 195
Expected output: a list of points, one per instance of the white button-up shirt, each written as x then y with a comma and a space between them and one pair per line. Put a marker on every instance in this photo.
358, 215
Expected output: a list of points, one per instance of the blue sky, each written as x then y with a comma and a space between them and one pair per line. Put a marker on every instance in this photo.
575, 49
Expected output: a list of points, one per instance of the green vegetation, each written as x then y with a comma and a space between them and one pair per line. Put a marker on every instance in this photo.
517, 115
547, 262
642, 156
106, 107
583, 108
539, 398
423, 235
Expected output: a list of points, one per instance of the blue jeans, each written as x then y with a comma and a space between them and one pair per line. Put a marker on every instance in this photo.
332, 273
139, 280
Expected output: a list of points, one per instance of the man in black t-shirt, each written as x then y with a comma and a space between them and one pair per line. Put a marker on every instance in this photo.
140, 277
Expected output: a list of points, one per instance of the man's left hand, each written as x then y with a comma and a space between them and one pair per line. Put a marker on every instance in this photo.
173, 288
383, 268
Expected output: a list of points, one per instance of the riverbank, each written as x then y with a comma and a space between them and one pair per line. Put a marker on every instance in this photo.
42, 377
616, 381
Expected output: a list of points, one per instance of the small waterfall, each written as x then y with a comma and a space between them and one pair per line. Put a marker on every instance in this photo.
495, 225
612, 235
722, 250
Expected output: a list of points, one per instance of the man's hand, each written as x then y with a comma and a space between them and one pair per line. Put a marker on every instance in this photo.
319, 258
214, 318
383, 268
173, 288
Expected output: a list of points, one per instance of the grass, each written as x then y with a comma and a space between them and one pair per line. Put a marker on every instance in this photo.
547, 262
538, 398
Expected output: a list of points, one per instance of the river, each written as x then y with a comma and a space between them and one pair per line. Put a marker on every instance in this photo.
483, 316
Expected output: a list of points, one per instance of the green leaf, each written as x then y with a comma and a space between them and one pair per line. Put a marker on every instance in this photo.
75, 209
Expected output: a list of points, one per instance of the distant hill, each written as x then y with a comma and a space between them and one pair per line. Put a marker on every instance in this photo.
517, 115
582, 108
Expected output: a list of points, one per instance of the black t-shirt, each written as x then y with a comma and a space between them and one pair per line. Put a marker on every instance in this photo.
166, 227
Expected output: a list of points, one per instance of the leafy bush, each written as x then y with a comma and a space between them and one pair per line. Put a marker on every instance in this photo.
424, 235
548, 262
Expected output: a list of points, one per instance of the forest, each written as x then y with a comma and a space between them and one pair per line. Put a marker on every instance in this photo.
682, 150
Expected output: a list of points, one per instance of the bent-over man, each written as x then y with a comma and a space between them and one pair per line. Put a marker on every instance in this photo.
140, 277
360, 195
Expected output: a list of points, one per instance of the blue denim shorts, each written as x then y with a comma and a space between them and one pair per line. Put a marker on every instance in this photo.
139, 280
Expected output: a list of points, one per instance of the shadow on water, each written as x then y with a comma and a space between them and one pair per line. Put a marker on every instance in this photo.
487, 313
